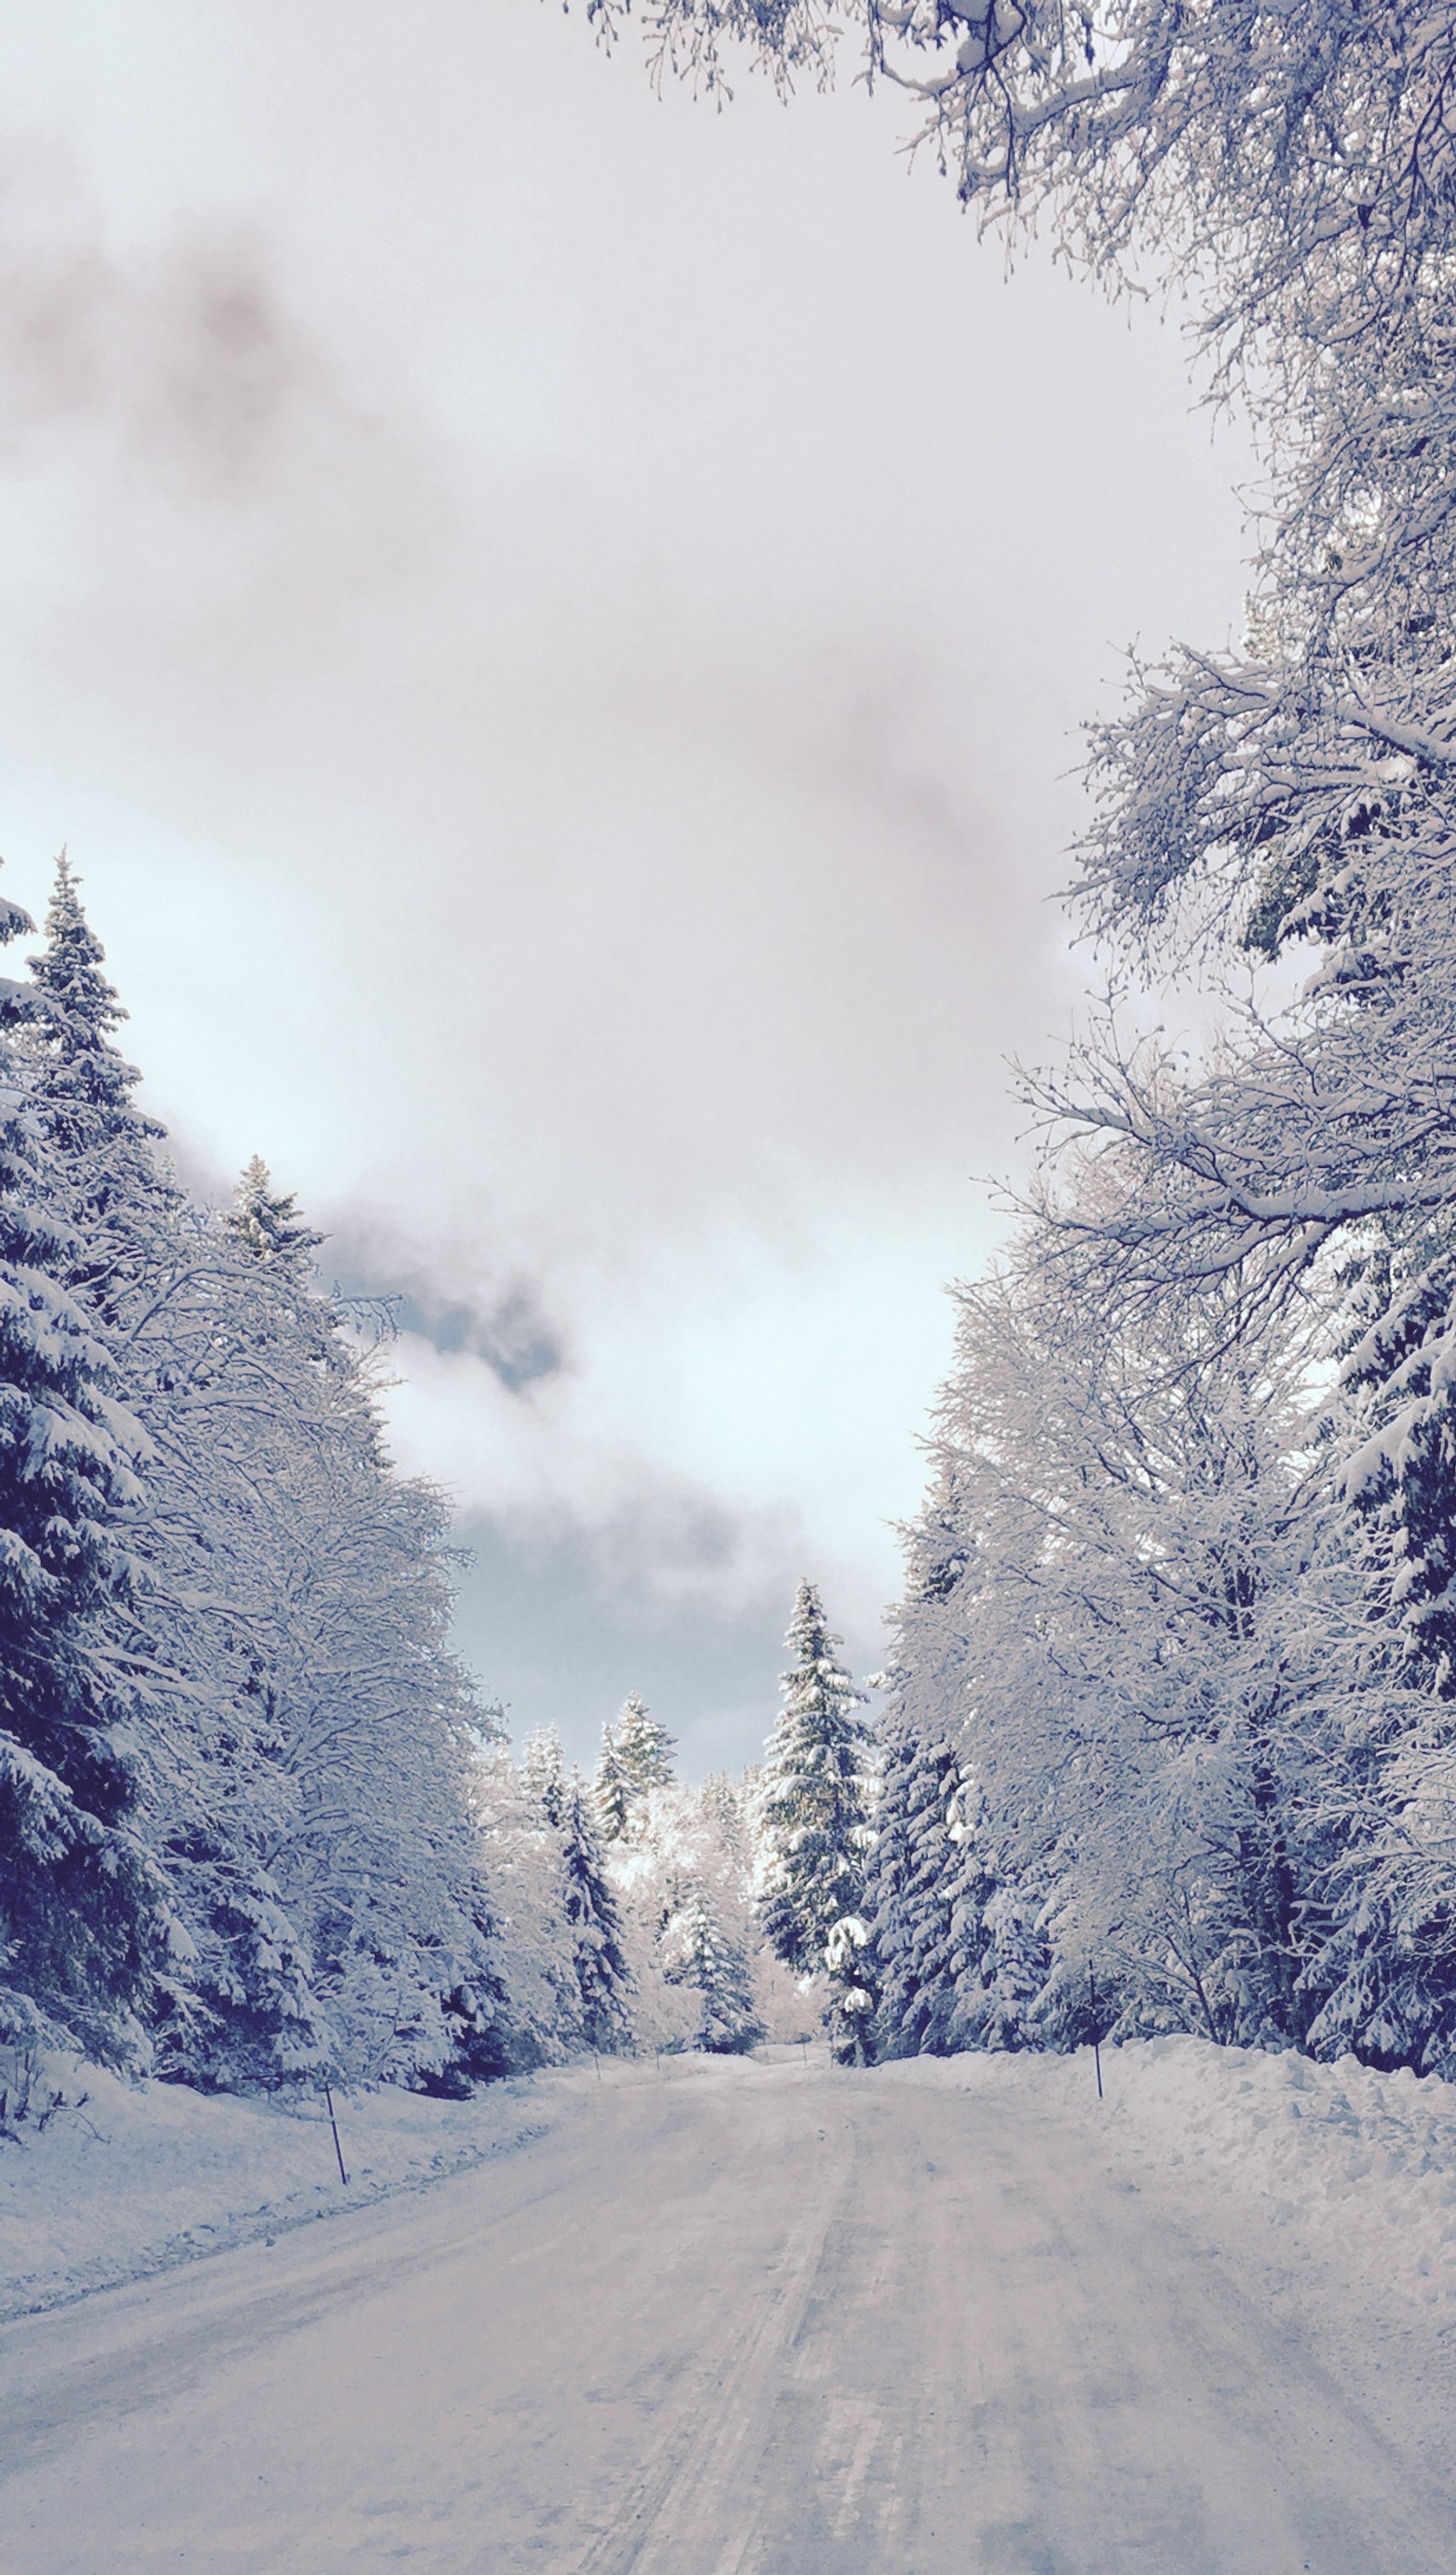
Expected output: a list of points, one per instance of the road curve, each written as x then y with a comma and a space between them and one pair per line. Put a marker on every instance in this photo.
741, 2320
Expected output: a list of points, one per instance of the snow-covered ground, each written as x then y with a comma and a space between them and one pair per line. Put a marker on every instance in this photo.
737, 2318
149, 2175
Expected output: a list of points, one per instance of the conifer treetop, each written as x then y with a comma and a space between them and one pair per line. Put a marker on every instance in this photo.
614, 1788
69, 970
644, 1745
82, 1083
84, 1915
816, 1651
265, 1221
544, 1771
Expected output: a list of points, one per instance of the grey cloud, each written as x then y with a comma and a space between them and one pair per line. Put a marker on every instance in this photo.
507, 1326
512, 1333
185, 359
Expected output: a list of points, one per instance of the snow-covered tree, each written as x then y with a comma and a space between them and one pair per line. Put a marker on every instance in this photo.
336, 1588
160, 1285
701, 1954
814, 1801
118, 1204
267, 1222
544, 1773
644, 1748
85, 1928
613, 1787
927, 1882
534, 1951
603, 1977
1140, 1694
689, 1853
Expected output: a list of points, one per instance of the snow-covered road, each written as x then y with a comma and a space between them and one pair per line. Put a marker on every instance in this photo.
739, 2320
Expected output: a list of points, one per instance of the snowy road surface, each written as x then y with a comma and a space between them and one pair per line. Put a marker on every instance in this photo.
738, 2321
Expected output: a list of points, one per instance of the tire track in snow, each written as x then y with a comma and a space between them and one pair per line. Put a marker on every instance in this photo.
675, 2519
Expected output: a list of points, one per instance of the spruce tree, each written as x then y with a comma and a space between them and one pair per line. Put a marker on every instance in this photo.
162, 1286
701, 1954
927, 1886
118, 1204
636, 1757
604, 1978
614, 1788
1384, 1972
84, 1920
266, 1223
644, 1748
813, 1802
544, 1774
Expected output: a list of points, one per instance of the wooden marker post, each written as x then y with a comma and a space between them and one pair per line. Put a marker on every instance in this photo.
334, 2124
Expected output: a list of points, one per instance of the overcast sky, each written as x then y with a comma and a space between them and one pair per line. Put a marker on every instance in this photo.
553, 623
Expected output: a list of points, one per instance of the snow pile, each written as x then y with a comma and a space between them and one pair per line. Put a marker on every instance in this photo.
1352, 2173
151, 2174
1364, 2162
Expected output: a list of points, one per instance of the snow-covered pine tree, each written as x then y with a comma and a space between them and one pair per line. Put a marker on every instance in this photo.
267, 1222
544, 1773
701, 1952
721, 1801
1399, 1382
1385, 1974
644, 1748
85, 1924
604, 1978
927, 1881
636, 1758
346, 1593
163, 1288
614, 1788
119, 1202
813, 1805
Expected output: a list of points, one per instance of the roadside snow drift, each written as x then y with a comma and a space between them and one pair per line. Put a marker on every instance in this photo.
151, 2174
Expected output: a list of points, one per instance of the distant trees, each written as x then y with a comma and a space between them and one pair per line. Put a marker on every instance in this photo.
662, 1950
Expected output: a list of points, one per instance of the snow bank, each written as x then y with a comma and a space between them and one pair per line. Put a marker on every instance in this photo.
151, 2174
1362, 2165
